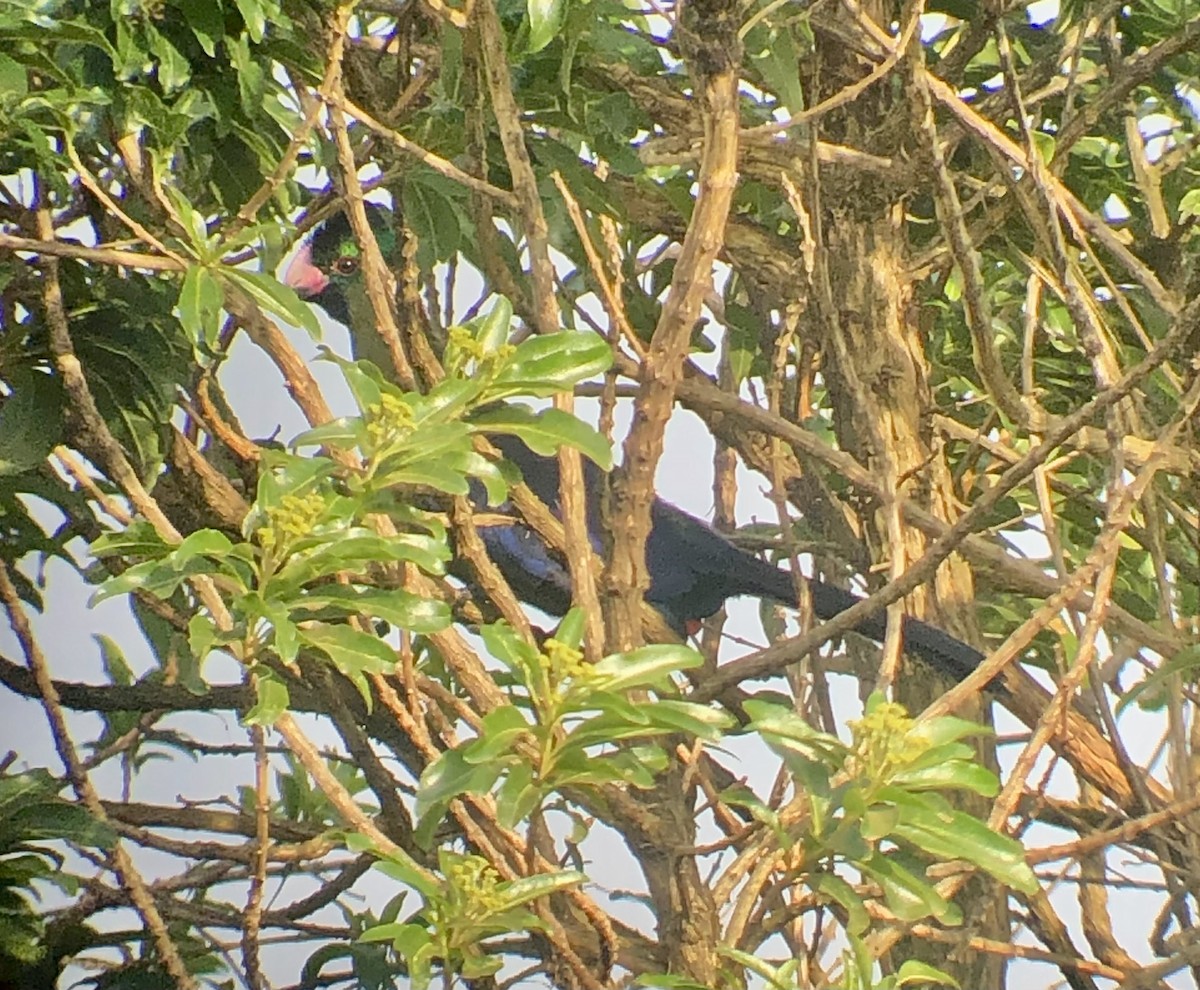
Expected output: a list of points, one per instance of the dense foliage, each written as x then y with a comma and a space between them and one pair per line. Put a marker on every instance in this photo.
930, 270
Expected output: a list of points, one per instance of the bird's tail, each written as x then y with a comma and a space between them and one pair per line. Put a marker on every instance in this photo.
765, 580
951, 656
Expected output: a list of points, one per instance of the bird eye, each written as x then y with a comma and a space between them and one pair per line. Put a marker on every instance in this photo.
345, 266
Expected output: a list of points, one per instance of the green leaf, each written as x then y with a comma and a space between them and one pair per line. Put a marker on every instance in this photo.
647, 666
156, 577
547, 430
570, 630
551, 363
517, 797
206, 23
194, 223
449, 776
699, 721
201, 636
498, 731
414, 944
773, 53
1149, 692
347, 432
389, 932
287, 474
438, 475
878, 821
784, 728
200, 304
202, 543
915, 971
18, 870
54, 819
174, 71
603, 730
776, 977
545, 19
654, 718
841, 892
352, 652
490, 475
440, 406
362, 377
585, 696
949, 775
635, 767
948, 729
361, 548
493, 330
400, 608
908, 897
540, 885
398, 865
509, 648
22, 787
272, 701
477, 967
430, 441
255, 18
598, 732
115, 665
285, 638
434, 218
275, 297
14, 83
31, 423
1044, 144
933, 825
1189, 203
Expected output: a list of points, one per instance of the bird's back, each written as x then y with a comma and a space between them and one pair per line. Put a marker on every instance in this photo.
692, 567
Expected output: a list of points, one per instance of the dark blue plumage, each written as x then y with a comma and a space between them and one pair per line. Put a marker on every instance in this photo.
693, 569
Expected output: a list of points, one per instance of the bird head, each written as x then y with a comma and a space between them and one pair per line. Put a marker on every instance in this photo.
328, 268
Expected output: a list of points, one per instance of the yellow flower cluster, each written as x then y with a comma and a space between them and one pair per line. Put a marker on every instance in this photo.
293, 519
469, 346
474, 881
566, 662
884, 741
389, 420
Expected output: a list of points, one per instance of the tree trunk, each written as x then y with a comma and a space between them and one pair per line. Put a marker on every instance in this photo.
875, 367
